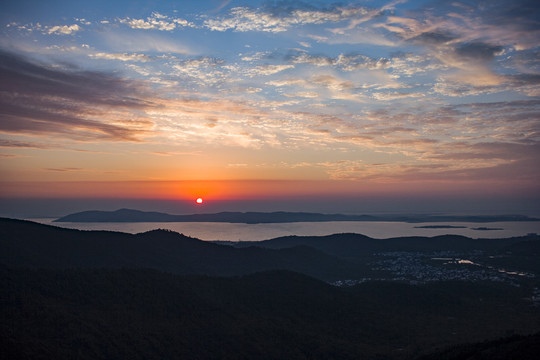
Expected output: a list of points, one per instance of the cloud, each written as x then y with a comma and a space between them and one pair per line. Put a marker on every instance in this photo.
11, 156
267, 69
121, 56
46, 30
16, 144
156, 21
477, 51
244, 19
513, 173
66, 169
457, 87
433, 38
212, 121
175, 153
484, 163
331, 86
367, 28
484, 151
469, 42
332, 82
189, 65
63, 29
469, 62
454, 86
280, 18
396, 95
409, 64
254, 56
202, 71
467, 141
502, 22
349, 62
524, 61
366, 16
498, 22
317, 60
304, 94
81, 105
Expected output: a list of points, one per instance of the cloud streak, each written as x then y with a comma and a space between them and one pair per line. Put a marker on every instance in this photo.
156, 21
38, 99
277, 19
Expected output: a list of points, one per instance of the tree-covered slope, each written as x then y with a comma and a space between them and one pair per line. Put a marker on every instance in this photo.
24, 243
146, 314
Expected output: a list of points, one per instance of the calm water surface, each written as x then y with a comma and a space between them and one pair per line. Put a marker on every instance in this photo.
257, 232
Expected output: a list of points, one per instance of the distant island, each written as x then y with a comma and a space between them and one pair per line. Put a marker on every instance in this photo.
486, 228
129, 215
440, 227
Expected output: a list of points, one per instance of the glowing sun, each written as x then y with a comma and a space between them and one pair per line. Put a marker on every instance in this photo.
199, 201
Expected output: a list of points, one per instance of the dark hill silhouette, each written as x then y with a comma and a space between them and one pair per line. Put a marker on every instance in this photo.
355, 245
24, 243
128, 215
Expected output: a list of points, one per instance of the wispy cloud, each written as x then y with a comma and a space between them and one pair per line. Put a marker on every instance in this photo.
121, 56
10, 143
268, 69
350, 62
202, 71
396, 95
156, 21
468, 40
279, 18
46, 29
66, 169
40, 99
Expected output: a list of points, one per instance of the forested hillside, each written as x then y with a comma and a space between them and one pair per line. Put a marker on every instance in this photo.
68, 294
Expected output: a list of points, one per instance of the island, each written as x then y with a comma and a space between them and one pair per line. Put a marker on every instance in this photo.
130, 215
440, 227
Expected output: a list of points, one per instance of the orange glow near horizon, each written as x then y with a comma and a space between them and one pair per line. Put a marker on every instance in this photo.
227, 190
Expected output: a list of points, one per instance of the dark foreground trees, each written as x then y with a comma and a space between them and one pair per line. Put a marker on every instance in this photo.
146, 314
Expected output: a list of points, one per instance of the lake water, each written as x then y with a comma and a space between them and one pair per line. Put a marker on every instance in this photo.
257, 232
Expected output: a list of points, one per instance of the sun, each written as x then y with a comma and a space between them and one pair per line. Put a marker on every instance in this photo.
199, 201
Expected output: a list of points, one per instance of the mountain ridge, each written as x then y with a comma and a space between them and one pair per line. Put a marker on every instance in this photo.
29, 244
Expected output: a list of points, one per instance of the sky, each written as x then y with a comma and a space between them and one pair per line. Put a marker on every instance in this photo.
271, 105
